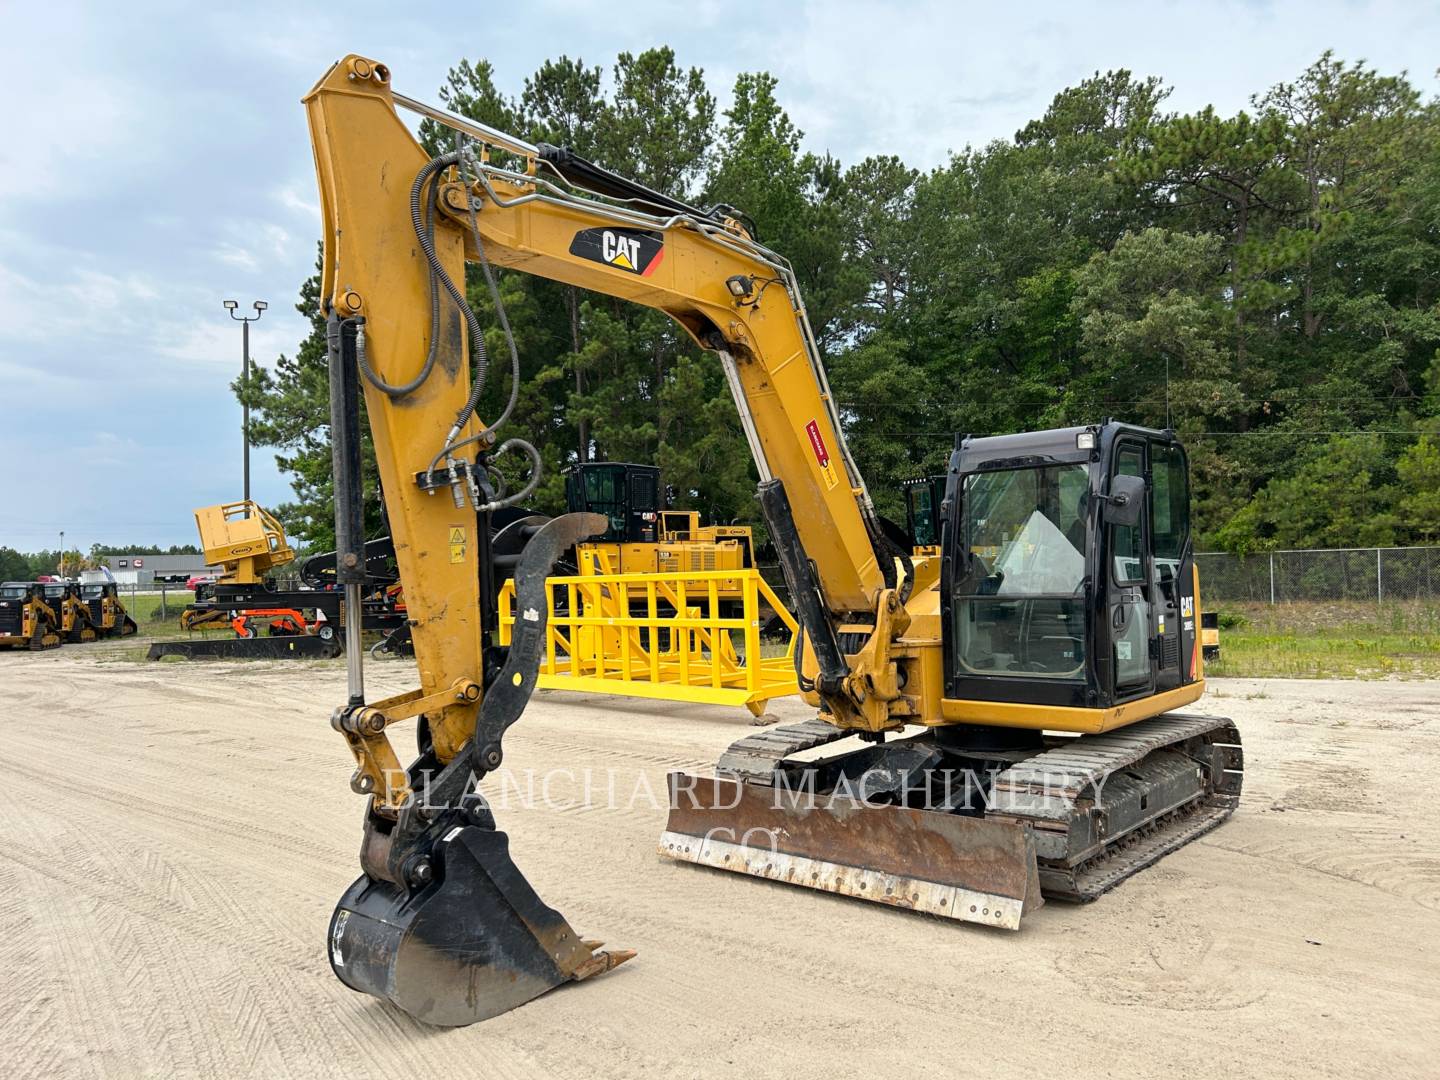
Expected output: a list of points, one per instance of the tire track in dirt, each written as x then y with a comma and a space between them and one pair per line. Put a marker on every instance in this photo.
167, 886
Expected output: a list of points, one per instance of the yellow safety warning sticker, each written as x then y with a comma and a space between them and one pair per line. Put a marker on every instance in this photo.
457, 534
457, 553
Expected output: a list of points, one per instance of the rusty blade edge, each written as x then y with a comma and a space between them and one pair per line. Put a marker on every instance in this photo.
913, 894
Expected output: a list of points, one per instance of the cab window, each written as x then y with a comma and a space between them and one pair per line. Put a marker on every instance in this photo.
1170, 501
922, 515
1126, 541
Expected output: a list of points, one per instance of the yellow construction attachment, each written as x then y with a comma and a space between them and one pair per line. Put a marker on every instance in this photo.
662, 636
244, 539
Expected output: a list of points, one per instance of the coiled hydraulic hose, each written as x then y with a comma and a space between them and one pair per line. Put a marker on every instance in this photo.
530, 485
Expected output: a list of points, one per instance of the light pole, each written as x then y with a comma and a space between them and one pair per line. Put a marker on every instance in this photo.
62, 553
245, 321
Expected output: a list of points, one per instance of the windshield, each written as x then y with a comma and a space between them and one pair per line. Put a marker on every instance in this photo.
92, 592
605, 494
1027, 527
1020, 609
12, 592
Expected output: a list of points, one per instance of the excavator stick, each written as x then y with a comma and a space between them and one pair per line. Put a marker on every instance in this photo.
966, 868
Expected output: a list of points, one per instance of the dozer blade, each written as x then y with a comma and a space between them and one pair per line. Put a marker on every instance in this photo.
964, 868
429, 955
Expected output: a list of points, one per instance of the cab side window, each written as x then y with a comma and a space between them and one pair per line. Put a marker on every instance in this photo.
1170, 502
1126, 541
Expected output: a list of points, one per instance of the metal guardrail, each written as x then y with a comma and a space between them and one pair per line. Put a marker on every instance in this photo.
661, 636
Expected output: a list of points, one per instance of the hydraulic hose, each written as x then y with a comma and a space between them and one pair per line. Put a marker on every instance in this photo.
404, 389
530, 485
439, 273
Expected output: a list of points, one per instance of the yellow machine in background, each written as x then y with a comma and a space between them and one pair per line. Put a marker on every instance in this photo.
74, 614
923, 498
665, 635
107, 611
248, 542
27, 621
642, 538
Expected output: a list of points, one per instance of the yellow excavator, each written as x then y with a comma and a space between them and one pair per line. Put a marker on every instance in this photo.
1012, 701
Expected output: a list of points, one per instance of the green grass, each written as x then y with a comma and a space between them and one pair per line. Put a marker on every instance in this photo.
153, 618
1328, 641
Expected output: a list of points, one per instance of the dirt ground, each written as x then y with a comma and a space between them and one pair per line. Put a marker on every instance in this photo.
176, 836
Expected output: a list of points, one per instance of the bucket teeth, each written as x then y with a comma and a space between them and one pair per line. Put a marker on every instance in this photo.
602, 961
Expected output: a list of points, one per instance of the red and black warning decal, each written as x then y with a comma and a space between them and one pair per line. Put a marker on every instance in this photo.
636, 251
822, 454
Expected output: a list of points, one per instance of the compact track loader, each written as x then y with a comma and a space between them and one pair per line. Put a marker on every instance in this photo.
997, 723
107, 611
27, 621
73, 613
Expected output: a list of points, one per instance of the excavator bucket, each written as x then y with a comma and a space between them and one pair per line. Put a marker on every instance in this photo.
429, 955
468, 938
966, 868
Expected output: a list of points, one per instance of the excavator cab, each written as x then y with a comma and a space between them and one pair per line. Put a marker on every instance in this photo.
923, 499
628, 495
1069, 579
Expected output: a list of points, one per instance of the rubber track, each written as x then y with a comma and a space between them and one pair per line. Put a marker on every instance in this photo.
755, 757
1050, 788
1059, 776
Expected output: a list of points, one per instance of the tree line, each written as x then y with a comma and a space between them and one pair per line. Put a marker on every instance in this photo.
28, 565
1267, 283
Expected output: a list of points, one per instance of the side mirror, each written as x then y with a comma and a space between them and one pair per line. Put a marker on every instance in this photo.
1125, 501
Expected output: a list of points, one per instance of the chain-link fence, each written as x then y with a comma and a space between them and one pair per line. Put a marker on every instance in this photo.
1374, 574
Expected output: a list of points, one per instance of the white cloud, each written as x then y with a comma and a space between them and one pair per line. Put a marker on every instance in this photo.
106, 449
234, 255
301, 202
167, 166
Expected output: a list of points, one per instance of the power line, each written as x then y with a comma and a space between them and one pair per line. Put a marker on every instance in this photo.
1254, 399
1187, 434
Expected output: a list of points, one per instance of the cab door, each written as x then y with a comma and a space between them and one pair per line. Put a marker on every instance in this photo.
1172, 564
1129, 588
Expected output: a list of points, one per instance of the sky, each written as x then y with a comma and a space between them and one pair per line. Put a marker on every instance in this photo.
154, 161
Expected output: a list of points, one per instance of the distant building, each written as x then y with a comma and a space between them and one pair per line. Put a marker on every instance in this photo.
156, 569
